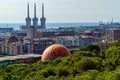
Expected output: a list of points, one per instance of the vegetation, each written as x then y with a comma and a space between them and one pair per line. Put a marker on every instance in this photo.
86, 63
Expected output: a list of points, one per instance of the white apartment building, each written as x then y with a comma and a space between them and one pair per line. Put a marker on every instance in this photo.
77, 41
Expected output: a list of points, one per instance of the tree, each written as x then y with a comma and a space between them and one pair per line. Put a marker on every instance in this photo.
87, 63
62, 71
113, 56
93, 47
116, 43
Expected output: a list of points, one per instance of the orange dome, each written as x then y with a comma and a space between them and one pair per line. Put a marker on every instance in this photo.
55, 51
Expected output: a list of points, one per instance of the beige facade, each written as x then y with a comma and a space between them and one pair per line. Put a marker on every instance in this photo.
31, 32
112, 34
14, 48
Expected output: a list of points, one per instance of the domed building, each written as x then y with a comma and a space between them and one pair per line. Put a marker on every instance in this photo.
55, 51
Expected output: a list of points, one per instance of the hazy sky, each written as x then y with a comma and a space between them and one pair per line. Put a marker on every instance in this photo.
14, 11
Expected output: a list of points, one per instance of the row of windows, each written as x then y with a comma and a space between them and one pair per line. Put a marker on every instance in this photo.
53, 55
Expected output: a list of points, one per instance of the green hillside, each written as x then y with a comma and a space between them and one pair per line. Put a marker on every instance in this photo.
87, 63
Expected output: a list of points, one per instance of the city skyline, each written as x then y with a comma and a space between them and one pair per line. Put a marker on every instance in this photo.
14, 11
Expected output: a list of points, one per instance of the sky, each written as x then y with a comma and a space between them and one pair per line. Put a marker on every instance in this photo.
14, 11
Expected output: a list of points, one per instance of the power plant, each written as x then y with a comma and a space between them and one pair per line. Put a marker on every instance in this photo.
35, 19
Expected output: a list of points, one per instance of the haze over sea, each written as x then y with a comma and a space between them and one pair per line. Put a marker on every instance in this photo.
48, 25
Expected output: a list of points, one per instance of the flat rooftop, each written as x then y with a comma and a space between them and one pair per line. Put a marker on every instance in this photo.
5, 58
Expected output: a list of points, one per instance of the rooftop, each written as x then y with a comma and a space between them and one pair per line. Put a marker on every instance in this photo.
5, 58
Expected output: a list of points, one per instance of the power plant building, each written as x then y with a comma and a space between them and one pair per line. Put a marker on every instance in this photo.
35, 19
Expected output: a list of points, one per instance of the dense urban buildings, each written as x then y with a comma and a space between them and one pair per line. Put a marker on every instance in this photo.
21, 42
60, 51
34, 38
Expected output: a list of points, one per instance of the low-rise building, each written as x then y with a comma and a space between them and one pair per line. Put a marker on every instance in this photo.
15, 48
92, 33
77, 41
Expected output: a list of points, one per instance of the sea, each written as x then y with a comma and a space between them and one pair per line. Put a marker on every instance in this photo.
16, 26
